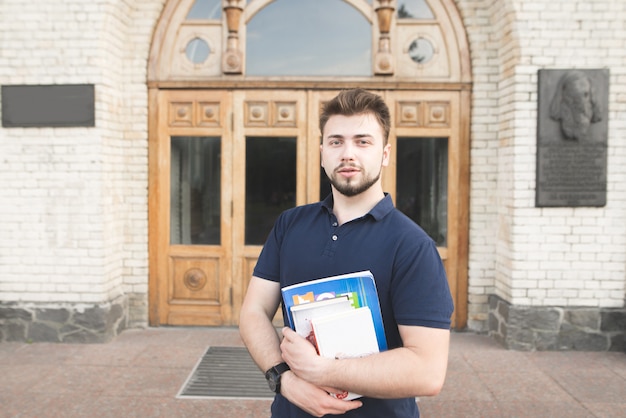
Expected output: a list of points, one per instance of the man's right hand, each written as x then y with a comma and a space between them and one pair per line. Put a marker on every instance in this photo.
312, 399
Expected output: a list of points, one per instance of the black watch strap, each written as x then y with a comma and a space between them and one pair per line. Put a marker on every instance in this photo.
280, 368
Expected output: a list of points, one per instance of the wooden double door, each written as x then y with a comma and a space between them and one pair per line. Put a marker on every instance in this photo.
225, 163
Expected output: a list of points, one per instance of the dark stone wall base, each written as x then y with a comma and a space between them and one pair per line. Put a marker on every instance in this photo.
68, 324
542, 328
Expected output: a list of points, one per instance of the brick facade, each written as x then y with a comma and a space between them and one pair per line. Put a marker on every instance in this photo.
73, 217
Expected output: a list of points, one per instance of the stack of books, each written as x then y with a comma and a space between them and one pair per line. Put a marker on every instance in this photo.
339, 315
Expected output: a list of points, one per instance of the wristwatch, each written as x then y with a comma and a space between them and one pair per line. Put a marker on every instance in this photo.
273, 376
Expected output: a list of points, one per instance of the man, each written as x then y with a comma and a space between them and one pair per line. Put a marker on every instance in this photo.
356, 228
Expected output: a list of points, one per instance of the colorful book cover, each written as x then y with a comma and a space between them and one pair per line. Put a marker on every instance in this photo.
359, 287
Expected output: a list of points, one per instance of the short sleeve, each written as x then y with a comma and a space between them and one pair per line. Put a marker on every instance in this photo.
420, 292
268, 263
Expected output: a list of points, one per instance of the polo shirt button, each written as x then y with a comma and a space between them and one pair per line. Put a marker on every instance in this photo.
334, 237
334, 223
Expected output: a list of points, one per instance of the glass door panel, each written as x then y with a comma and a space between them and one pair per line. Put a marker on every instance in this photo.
270, 184
422, 184
195, 187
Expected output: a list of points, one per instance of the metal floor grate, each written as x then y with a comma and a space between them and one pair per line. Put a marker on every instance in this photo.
226, 372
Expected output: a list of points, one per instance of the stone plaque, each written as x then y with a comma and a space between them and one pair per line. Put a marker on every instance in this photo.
572, 130
48, 105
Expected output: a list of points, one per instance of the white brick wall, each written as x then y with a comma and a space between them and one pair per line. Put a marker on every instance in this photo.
73, 211
74, 201
544, 256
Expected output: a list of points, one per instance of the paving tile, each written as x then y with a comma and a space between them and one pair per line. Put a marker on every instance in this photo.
435, 408
524, 386
184, 357
469, 342
557, 361
19, 378
607, 409
31, 405
145, 381
220, 408
7, 351
585, 385
615, 362
462, 386
458, 363
499, 360
39, 353
104, 354
68, 379
524, 409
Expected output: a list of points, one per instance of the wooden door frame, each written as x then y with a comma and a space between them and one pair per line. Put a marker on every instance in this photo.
244, 256
309, 159
165, 122
439, 114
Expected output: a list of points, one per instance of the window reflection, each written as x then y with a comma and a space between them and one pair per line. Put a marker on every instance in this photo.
414, 9
305, 37
205, 9
270, 184
421, 50
197, 50
422, 184
195, 199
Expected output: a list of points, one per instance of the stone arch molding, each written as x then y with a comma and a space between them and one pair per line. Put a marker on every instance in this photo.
391, 41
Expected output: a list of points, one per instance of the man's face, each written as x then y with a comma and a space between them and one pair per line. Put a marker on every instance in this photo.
353, 153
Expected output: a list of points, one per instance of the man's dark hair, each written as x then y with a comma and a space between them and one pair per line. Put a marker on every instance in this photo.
356, 102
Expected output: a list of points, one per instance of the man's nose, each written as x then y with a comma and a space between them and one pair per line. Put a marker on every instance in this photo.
347, 152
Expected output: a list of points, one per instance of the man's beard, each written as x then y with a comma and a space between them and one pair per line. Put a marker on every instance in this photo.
350, 188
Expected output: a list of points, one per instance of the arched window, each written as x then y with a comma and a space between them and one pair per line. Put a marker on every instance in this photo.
398, 39
304, 37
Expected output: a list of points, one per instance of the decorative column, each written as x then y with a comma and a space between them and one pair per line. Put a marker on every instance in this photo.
233, 58
383, 61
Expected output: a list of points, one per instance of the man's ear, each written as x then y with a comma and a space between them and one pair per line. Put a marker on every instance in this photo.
386, 155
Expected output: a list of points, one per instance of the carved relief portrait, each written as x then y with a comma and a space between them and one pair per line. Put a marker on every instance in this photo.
575, 105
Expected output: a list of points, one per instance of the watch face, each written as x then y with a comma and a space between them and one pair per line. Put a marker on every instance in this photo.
273, 376
273, 380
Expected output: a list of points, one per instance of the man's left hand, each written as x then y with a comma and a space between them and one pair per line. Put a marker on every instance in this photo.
302, 357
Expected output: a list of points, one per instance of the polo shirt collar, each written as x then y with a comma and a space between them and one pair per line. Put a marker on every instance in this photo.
378, 212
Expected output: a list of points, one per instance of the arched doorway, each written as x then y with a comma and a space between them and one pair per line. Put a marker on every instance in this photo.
234, 137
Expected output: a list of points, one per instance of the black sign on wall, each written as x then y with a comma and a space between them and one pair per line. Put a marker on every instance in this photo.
48, 105
572, 131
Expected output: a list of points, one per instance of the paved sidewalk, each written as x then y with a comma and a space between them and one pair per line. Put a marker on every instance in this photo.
141, 371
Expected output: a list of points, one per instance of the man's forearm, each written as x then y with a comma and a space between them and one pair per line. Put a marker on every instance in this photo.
398, 373
261, 339
418, 369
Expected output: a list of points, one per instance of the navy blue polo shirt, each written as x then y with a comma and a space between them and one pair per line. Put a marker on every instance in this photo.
307, 243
